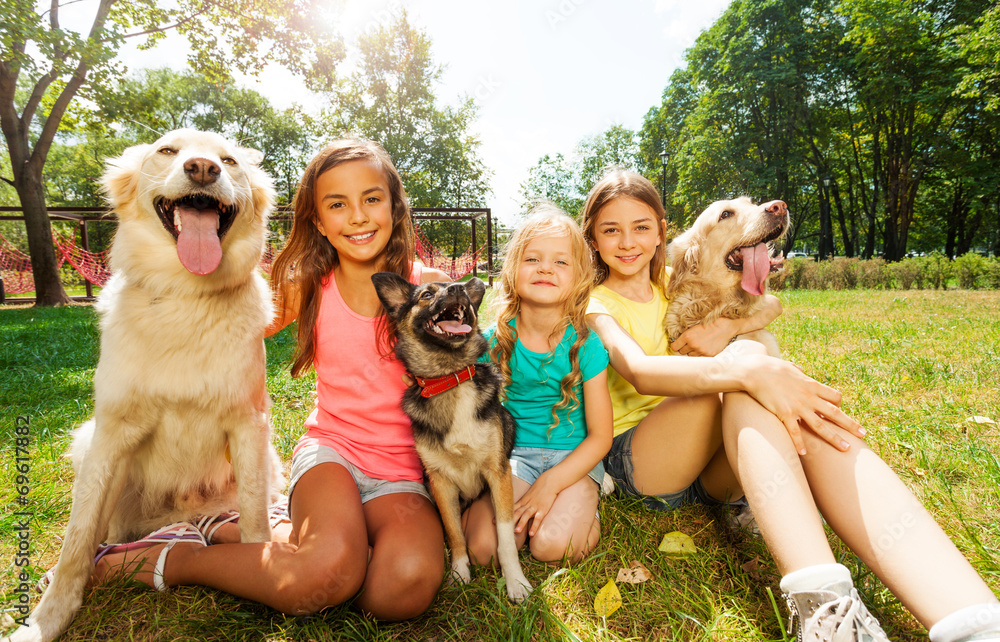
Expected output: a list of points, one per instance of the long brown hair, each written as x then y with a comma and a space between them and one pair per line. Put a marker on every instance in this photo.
308, 259
544, 219
622, 183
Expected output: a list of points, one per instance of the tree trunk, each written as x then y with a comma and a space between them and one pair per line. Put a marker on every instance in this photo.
44, 267
844, 233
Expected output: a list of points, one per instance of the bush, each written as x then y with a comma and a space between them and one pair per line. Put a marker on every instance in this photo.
991, 277
842, 273
908, 272
939, 270
875, 274
796, 273
969, 268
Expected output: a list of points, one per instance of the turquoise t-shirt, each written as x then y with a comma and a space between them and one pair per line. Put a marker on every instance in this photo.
534, 389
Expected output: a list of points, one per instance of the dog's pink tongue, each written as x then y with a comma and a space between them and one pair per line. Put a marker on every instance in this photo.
454, 327
198, 245
756, 267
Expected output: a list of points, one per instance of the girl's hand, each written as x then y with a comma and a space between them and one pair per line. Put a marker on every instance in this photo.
799, 401
706, 340
709, 339
534, 504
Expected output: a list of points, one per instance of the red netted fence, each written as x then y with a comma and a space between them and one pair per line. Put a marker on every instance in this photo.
456, 227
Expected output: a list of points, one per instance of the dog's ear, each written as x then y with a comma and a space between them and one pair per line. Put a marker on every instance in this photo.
476, 290
252, 156
393, 291
121, 178
683, 252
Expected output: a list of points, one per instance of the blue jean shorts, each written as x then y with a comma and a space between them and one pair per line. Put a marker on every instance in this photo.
528, 463
369, 487
618, 463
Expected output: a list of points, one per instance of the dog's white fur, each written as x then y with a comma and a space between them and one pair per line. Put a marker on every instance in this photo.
181, 371
702, 288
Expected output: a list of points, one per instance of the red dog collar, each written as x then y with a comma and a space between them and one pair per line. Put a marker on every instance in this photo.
437, 385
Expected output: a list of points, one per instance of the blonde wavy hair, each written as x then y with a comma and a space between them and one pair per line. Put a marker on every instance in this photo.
544, 219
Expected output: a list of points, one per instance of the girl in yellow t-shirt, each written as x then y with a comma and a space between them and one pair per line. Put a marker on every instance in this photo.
735, 421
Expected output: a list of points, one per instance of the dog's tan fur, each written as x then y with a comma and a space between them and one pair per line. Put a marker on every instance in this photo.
181, 371
702, 288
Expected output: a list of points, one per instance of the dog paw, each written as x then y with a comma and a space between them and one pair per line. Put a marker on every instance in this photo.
518, 589
460, 570
29, 633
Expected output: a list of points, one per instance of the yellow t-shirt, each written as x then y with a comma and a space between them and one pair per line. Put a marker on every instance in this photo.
644, 321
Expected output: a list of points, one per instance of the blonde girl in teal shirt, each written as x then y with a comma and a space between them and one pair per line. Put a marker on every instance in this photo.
555, 385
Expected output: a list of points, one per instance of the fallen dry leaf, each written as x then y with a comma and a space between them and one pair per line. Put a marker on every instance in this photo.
608, 599
976, 419
677, 543
636, 573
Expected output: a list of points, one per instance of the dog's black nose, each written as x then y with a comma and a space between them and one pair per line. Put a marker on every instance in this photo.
202, 171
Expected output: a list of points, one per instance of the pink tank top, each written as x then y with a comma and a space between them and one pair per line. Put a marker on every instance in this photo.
358, 411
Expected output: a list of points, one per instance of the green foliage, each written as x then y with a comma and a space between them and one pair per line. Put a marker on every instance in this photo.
780, 94
391, 99
154, 101
566, 181
969, 269
553, 179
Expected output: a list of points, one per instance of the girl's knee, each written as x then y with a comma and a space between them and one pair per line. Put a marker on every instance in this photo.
482, 545
406, 589
319, 581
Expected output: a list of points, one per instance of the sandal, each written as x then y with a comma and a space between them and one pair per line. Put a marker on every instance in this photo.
208, 525
169, 535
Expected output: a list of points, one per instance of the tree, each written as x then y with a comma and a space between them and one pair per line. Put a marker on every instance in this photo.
553, 179
45, 66
158, 100
391, 99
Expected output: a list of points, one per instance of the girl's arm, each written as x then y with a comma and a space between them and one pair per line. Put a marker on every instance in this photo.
433, 275
709, 339
537, 501
286, 306
778, 385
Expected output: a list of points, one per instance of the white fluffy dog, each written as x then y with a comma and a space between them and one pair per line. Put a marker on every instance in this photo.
180, 379
721, 263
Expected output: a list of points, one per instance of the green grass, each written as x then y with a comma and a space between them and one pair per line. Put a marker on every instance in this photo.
914, 367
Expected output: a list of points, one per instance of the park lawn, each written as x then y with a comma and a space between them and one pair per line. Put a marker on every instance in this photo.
916, 367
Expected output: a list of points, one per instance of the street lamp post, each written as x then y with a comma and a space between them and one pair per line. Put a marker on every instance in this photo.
825, 231
664, 157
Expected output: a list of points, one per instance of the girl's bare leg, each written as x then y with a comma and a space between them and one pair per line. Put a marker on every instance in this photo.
325, 565
407, 563
680, 441
864, 502
570, 529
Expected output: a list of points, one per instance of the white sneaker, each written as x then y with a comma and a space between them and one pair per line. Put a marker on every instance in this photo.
830, 616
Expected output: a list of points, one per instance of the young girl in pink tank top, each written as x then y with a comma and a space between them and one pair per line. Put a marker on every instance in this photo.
361, 521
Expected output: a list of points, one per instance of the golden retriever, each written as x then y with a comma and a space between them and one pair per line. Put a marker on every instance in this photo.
721, 263
180, 381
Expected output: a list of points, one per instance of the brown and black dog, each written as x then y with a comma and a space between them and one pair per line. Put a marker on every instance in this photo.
464, 436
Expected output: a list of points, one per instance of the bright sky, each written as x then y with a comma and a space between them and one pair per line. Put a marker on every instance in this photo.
545, 73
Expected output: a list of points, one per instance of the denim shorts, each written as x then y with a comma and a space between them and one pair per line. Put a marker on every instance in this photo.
618, 463
528, 463
369, 487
